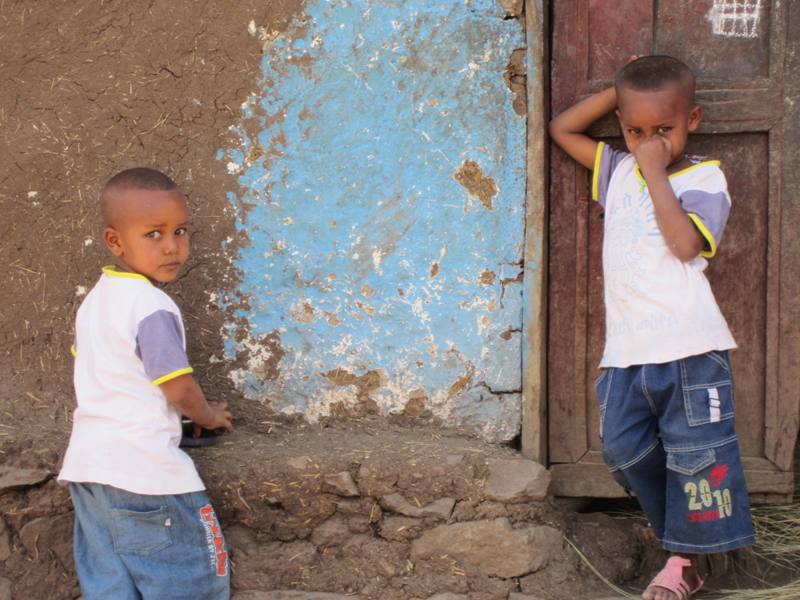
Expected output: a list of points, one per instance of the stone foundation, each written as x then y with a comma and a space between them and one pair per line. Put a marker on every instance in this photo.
369, 511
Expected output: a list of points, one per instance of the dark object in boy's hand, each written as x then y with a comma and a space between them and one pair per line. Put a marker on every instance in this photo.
191, 439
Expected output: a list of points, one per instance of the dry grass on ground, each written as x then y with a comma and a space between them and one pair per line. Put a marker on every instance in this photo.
777, 552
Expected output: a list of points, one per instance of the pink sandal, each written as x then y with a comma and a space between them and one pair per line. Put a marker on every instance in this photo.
670, 578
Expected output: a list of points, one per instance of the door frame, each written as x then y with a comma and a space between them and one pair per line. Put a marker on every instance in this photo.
535, 255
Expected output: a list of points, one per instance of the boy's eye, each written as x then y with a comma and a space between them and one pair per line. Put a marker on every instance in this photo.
153, 235
633, 131
664, 130
181, 231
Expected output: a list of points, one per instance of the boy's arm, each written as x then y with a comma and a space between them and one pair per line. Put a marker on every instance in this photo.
185, 395
568, 129
160, 346
679, 231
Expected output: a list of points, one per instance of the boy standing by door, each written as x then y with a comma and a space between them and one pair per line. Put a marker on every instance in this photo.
666, 391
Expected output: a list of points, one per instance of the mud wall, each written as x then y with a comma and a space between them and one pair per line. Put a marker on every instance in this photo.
90, 88
380, 163
356, 171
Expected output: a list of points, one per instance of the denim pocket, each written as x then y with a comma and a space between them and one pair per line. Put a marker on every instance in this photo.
690, 463
721, 358
707, 388
140, 532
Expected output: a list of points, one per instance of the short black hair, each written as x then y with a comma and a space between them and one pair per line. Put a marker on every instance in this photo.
651, 73
137, 178
142, 178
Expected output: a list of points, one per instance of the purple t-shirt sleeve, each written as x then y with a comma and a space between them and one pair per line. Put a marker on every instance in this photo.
160, 346
708, 206
606, 160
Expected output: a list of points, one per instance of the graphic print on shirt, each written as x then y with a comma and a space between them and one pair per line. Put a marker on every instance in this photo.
631, 224
623, 259
632, 229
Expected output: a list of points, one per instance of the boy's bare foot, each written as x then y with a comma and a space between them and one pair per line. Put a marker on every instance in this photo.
678, 580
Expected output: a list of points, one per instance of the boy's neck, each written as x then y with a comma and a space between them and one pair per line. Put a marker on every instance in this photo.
682, 163
123, 268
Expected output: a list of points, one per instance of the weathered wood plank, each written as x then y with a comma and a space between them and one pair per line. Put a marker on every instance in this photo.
566, 405
782, 434
534, 316
590, 477
724, 111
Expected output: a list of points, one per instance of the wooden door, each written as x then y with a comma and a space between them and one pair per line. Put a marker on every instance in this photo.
746, 55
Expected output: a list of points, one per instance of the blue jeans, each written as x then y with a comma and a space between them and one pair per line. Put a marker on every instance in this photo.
668, 436
135, 547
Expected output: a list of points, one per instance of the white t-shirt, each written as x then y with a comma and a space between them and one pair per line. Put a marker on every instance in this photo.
658, 308
129, 338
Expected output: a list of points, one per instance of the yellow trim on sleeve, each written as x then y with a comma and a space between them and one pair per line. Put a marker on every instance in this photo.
173, 375
706, 236
112, 271
596, 171
73, 352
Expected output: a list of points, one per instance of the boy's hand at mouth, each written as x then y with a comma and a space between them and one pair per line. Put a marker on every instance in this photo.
653, 155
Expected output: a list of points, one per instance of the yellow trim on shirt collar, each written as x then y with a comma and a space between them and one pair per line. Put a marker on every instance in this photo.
111, 271
682, 171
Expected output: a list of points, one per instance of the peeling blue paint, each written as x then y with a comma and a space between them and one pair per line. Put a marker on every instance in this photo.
364, 252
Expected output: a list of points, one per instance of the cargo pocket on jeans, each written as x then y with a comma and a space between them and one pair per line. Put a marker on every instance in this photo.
707, 388
708, 497
690, 463
140, 532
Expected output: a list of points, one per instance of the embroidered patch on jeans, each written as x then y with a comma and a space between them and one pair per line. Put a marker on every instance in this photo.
713, 405
216, 544
718, 475
708, 500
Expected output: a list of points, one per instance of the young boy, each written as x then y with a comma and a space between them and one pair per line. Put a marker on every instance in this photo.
144, 527
665, 392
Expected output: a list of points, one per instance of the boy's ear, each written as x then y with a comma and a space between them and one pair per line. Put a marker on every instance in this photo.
695, 116
112, 241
